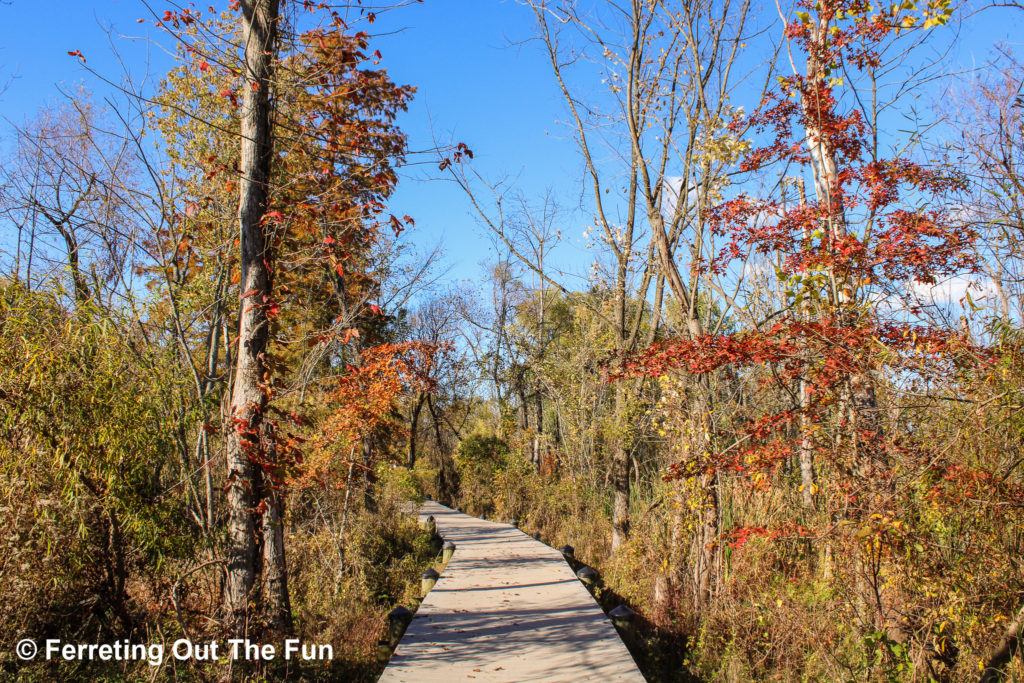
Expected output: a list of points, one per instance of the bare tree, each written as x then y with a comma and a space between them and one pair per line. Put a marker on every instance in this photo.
658, 148
989, 151
65, 194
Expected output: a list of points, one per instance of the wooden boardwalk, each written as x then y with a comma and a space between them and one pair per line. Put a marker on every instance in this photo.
507, 608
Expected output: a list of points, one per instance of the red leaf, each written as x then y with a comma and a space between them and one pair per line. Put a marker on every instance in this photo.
329, 240
77, 53
204, 66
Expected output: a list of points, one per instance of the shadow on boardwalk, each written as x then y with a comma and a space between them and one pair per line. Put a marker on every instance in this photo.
507, 608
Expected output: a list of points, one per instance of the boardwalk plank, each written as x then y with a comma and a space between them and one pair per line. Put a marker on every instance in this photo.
507, 608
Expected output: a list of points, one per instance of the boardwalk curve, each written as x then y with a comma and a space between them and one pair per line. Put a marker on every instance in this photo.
507, 608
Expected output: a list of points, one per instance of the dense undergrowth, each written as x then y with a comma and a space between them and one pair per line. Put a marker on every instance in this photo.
99, 546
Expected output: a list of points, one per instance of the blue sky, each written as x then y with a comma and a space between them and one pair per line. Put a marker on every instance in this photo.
474, 85
471, 85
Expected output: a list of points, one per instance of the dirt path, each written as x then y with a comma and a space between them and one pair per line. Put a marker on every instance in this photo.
507, 608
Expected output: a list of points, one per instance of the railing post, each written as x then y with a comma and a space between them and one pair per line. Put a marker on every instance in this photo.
398, 620
449, 550
625, 620
436, 543
588, 575
569, 553
428, 579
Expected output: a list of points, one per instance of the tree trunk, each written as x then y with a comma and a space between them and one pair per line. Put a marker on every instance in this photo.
1004, 652
524, 408
865, 431
344, 519
539, 408
707, 544
369, 478
249, 396
447, 475
806, 447
412, 429
708, 552
82, 293
62, 222
275, 568
619, 473
806, 451
620, 478
118, 570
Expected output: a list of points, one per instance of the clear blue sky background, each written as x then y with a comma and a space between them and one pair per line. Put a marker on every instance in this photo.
474, 86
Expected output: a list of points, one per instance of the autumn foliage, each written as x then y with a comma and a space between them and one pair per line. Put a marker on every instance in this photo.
780, 412
361, 406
